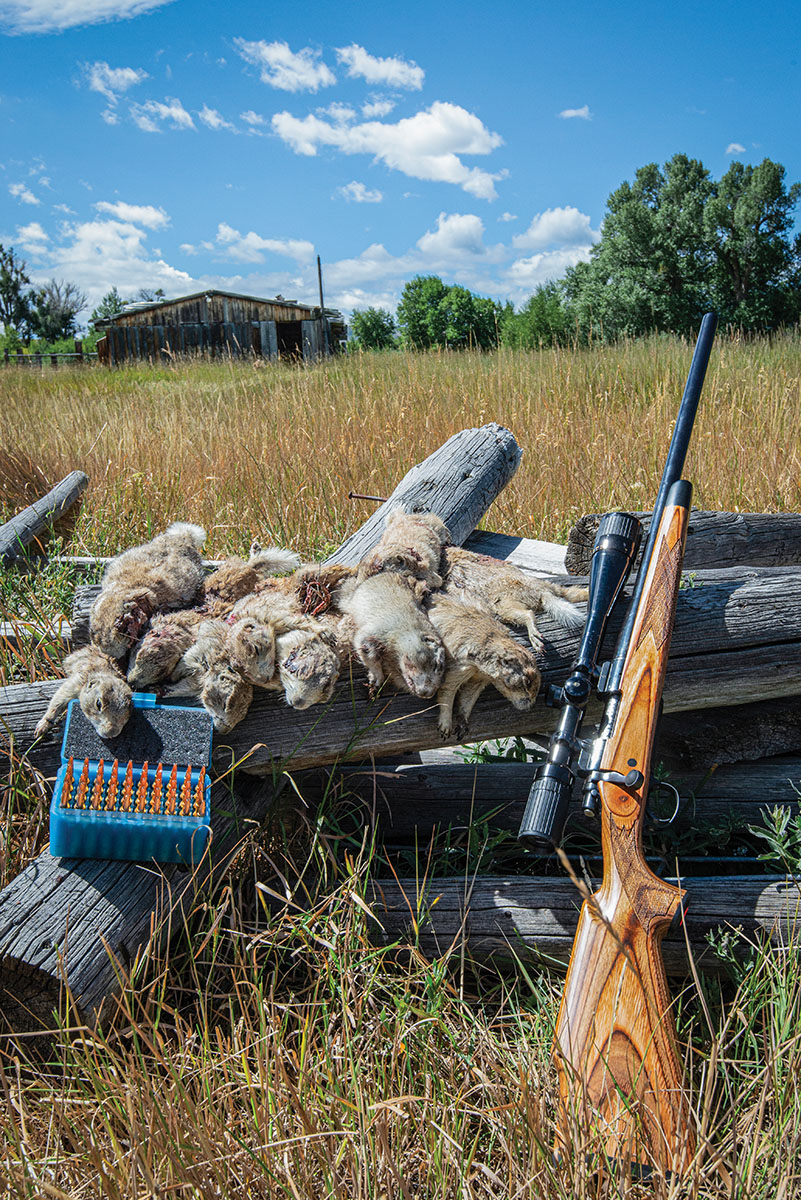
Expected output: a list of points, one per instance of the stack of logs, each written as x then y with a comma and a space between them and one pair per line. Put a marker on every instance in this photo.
732, 702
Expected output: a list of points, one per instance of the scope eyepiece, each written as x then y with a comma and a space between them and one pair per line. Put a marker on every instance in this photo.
547, 804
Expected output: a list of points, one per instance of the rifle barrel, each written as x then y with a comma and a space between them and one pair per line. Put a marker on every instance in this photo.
674, 465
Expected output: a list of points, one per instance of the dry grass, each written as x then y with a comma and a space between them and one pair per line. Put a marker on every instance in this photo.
273, 451
278, 1052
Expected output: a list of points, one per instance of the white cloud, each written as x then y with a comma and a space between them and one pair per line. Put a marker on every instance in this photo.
378, 107
391, 72
456, 234
507, 216
282, 68
43, 16
425, 146
251, 247
254, 119
111, 82
149, 115
338, 112
98, 254
31, 237
735, 148
360, 193
583, 113
557, 227
135, 214
210, 117
110, 116
526, 274
22, 193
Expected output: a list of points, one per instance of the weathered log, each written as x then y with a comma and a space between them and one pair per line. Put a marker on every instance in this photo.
83, 920
18, 533
69, 920
714, 539
409, 801
527, 917
743, 733
458, 482
737, 639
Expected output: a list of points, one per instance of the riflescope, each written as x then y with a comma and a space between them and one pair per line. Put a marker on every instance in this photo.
613, 555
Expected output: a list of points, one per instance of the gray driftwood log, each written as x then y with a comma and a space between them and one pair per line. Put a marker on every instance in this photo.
714, 539
72, 921
38, 518
534, 918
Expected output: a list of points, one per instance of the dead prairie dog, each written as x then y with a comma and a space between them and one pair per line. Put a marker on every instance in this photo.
237, 577
510, 594
206, 670
392, 636
162, 574
411, 544
308, 666
97, 682
158, 652
479, 651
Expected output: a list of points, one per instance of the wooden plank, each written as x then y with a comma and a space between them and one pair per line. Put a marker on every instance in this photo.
532, 918
38, 518
409, 801
714, 539
544, 559
74, 919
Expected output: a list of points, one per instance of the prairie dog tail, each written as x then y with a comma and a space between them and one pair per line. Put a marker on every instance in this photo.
560, 603
195, 533
273, 560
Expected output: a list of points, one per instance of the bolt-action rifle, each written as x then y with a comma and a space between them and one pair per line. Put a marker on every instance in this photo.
615, 1042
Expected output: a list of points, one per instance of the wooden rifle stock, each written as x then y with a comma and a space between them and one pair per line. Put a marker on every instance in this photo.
615, 1041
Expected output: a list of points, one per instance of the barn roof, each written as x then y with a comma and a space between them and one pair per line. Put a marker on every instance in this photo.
151, 305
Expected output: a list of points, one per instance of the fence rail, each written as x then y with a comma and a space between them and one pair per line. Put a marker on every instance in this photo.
45, 358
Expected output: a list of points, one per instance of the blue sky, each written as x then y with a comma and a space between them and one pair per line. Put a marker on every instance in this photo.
183, 143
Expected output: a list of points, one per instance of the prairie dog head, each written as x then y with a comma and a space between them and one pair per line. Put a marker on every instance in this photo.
517, 680
308, 666
105, 701
227, 696
421, 662
252, 648
118, 618
156, 654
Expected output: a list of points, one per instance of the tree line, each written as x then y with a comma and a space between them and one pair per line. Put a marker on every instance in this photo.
675, 243
46, 317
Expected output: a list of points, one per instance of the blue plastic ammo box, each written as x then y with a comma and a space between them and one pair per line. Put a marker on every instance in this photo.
150, 824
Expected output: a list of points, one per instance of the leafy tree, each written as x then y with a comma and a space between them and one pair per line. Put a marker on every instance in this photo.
432, 314
111, 304
373, 329
419, 315
16, 298
676, 243
56, 310
757, 266
544, 320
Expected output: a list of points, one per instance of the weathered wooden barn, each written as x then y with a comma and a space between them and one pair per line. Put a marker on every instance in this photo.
221, 324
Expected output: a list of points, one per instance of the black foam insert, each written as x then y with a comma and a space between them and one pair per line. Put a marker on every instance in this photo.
161, 734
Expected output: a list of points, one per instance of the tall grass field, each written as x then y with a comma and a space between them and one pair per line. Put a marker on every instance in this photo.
275, 1051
